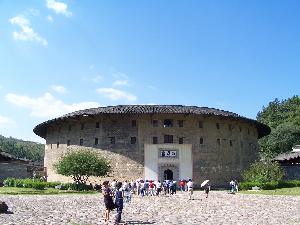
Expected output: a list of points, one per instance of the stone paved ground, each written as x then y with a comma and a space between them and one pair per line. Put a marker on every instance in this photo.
218, 208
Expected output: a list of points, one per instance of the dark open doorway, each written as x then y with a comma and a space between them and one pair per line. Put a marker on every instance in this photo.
168, 174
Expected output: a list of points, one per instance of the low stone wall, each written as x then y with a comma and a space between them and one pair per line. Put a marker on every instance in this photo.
292, 172
15, 169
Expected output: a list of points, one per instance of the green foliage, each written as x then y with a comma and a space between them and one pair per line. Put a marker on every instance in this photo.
22, 149
29, 183
78, 187
81, 164
281, 139
263, 172
284, 119
272, 185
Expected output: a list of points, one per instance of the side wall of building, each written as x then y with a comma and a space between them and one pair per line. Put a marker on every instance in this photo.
221, 147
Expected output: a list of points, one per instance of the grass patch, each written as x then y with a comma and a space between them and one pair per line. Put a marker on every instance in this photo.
47, 191
295, 191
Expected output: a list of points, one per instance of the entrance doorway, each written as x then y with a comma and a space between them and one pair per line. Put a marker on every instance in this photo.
168, 174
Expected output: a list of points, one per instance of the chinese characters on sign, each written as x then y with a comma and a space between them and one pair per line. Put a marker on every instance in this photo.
167, 153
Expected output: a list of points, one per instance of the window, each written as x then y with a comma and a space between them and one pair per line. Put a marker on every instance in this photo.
154, 123
240, 128
180, 123
154, 140
218, 126
69, 127
168, 139
218, 141
132, 140
230, 143
57, 145
68, 142
180, 140
133, 123
112, 140
201, 141
168, 123
80, 141
96, 141
82, 126
200, 124
51, 146
97, 125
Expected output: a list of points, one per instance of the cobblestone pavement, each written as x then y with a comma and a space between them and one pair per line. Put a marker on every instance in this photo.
219, 208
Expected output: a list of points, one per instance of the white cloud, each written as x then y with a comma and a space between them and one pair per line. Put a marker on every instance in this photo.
47, 105
97, 79
115, 94
6, 122
26, 33
120, 83
50, 19
59, 7
33, 12
59, 89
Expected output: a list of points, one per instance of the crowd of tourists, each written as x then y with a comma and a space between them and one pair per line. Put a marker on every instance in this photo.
116, 193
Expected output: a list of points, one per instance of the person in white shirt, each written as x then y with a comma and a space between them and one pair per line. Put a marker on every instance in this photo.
190, 186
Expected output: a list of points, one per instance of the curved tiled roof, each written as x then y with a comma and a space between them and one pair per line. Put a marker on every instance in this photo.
150, 109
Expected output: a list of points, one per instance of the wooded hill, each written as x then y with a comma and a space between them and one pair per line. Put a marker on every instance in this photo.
22, 149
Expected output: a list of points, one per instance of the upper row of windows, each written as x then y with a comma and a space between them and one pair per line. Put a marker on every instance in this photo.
167, 123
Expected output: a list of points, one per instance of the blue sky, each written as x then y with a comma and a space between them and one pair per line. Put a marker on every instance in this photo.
58, 56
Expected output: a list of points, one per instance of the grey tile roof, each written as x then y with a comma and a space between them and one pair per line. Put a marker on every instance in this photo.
287, 156
150, 109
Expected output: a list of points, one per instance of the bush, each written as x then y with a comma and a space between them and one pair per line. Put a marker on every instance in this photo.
78, 187
270, 185
248, 185
263, 172
39, 185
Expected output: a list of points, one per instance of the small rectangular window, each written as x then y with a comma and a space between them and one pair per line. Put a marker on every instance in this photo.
218, 141
97, 125
133, 123
132, 140
82, 126
80, 141
112, 140
240, 128
155, 123
68, 142
69, 127
180, 123
230, 143
57, 145
51, 146
200, 124
180, 140
154, 140
201, 141
218, 126
168, 123
168, 139
96, 141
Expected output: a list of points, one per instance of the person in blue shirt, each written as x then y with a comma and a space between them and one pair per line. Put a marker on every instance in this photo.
119, 195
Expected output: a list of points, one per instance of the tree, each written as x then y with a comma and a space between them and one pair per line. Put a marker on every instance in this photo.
263, 172
284, 119
81, 164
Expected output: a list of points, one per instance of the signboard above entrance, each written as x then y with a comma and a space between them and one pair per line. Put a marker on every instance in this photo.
168, 153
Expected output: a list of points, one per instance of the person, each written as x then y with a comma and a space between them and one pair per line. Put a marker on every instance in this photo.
206, 189
236, 186
182, 184
119, 195
190, 186
158, 187
232, 186
108, 200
